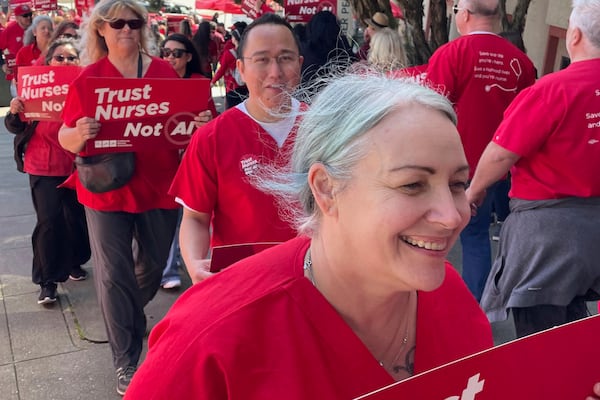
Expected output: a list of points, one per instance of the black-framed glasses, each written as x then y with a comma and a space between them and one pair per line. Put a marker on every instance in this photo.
136, 23
69, 36
60, 58
28, 15
456, 9
177, 53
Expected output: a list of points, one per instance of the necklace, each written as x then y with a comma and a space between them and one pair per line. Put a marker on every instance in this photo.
395, 368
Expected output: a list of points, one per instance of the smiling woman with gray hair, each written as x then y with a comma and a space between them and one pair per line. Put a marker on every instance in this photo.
377, 181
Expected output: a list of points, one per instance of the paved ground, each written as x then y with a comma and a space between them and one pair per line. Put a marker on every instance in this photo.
59, 352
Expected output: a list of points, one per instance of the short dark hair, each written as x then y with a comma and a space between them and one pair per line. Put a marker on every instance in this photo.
265, 19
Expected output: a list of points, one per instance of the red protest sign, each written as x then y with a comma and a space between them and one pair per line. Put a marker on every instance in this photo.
303, 10
143, 114
44, 89
557, 364
45, 5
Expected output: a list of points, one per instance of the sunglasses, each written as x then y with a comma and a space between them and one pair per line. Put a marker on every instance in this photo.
177, 53
28, 15
61, 58
132, 23
69, 36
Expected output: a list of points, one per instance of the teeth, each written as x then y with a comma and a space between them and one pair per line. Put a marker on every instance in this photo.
423, 244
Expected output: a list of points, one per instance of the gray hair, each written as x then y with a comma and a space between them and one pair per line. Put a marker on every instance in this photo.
586, 16
93, 46
332, 132
28, 36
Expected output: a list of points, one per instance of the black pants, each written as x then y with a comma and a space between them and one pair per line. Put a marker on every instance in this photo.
60, 237
529, 320
129, 253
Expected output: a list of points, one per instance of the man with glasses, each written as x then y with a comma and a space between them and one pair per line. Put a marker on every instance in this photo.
214, 180
481, 73
11, 41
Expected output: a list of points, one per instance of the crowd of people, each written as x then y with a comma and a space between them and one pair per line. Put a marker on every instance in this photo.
359, 176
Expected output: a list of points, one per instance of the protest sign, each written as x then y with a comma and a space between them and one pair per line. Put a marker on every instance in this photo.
557, 364
303, 10
44, 90
143, 114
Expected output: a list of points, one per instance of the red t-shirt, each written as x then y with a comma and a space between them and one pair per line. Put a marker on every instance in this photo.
154, 170
227, 64
11, 41
214, 178
261, 330
26, 57
481, 73
44, 155
555, 127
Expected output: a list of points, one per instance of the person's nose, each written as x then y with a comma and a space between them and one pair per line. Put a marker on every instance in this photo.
274, 68
449, 209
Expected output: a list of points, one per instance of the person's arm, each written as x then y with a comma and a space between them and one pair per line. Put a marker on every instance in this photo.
74, 139
12, 121
194, 242
495, 162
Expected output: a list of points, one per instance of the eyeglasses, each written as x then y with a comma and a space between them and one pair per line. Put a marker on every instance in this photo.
60, 58
131, 23
177, 53
69, 36
28, 15
456, 9
284, 60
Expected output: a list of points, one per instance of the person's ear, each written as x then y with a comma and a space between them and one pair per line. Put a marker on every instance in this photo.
323, 189
576, 36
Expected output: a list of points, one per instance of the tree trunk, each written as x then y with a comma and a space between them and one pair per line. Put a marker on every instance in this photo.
417, 50
439, 24
519, 16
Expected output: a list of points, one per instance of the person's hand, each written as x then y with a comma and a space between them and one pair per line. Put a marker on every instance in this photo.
87, 128
596, 390
202, 118
200, 270
17, 105
475, 199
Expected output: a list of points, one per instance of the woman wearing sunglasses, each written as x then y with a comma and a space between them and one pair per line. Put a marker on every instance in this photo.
60, 238
131, 227
179, 51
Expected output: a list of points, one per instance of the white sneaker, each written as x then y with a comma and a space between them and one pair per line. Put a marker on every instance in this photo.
172, 284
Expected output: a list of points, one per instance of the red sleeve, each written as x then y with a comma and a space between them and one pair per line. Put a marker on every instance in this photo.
226, 62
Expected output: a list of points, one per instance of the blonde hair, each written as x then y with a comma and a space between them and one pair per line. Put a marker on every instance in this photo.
94, 46
386, 52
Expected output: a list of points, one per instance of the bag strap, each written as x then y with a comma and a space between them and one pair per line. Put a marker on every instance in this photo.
140, 65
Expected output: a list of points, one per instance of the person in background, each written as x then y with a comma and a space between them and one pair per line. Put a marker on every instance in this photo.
461, 69
60, 238
66, 29
212, 183
376, 187
378, 21
35, 43
202, 41
546, 268
11, 41
130, 227
179, 51
386, 52
325, 50
235, 92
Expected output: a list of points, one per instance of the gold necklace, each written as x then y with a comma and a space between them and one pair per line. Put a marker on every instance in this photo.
396, 369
